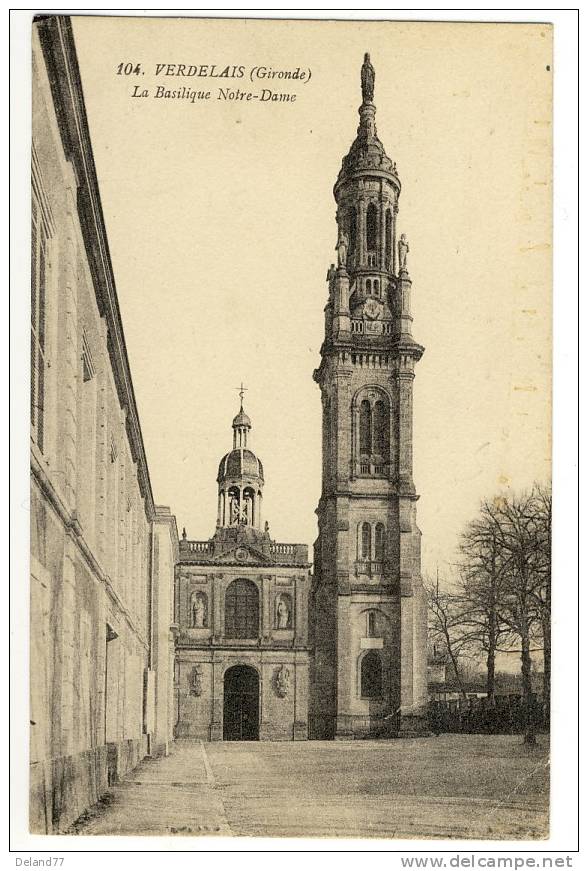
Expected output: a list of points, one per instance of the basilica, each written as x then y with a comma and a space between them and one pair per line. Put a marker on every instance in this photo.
264, 648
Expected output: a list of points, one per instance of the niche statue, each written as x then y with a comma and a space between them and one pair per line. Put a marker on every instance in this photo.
283, 614
198, 613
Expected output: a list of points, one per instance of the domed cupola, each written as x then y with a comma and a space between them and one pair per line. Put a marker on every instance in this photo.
240, 479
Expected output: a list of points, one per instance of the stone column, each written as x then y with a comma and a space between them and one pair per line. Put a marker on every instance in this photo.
382, 232
362, 247
394, 251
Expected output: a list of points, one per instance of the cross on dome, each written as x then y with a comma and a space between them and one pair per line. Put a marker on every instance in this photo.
241, 391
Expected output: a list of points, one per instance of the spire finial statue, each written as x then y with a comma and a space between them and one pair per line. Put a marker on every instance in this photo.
368, 77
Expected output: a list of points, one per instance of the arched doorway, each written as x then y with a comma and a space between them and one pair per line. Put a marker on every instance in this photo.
241, 704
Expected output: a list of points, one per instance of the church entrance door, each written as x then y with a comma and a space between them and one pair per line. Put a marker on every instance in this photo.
241, 704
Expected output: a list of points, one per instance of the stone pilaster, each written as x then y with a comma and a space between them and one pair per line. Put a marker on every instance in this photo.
403, 326
71, 366
67, 666
216, 714
404, 382
300, 616
300, 728
102, 451
342, 416
341, 319
267, 613
345, 669
217, 616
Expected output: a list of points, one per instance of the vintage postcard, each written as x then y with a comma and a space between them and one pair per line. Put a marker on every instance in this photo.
290, 428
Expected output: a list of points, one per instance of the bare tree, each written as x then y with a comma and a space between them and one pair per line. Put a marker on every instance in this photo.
448, 627
518, 525
542, 592
481, 587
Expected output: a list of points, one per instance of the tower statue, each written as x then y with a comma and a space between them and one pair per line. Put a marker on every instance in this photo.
403, 250
368, 78
342, 248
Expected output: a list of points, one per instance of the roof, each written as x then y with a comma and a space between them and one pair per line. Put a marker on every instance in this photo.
240, 463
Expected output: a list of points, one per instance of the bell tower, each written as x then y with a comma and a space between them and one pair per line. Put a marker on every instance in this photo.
368, 614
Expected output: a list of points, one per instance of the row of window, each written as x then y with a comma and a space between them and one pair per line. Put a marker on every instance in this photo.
371, 542
241, 610
374, 429
371, 432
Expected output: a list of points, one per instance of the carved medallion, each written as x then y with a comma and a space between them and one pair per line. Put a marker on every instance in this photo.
282, 681
196, 681
372, 309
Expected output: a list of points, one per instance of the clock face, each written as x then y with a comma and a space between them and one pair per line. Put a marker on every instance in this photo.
372, 309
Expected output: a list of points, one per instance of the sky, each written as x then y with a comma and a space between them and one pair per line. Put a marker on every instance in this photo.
221, 225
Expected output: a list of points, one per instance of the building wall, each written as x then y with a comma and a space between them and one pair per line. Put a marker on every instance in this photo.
165, 558
91, 509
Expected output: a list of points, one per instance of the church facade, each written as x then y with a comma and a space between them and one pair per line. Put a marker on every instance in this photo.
368, 606
241, 617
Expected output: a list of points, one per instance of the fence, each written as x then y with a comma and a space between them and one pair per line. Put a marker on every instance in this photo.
504, 715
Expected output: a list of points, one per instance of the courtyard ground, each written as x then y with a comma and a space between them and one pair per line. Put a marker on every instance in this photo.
451, 786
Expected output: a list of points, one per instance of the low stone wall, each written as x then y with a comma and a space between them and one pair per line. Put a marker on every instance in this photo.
60, 790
